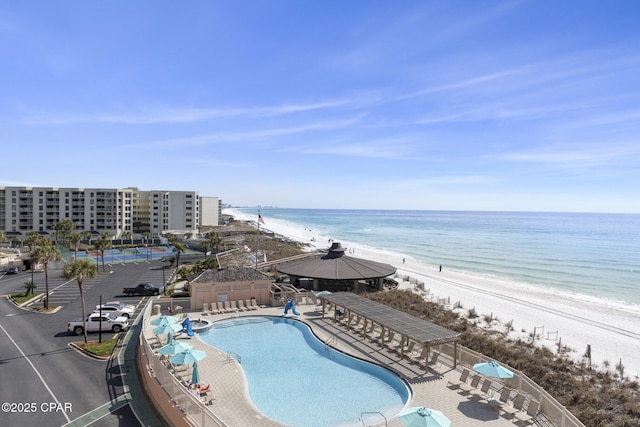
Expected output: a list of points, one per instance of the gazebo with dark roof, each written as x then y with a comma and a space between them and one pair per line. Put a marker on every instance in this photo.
336, 271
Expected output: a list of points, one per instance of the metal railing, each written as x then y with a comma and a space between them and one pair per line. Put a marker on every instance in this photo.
195, 411
550, 408
232, 355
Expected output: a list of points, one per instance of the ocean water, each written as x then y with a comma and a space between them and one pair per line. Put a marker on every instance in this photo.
595, 255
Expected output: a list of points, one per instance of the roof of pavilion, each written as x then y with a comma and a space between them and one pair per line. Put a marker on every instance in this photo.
335, 265
230, 275
413, 327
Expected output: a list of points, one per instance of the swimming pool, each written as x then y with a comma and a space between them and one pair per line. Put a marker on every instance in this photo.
296, 379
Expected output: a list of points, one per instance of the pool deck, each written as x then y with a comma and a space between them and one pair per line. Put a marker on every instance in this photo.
230, 404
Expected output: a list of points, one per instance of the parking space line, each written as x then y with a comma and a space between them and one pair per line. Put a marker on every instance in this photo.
36, 371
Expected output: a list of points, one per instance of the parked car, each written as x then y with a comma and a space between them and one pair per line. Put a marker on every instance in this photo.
11, 270
109, 321
142, 289
117, 308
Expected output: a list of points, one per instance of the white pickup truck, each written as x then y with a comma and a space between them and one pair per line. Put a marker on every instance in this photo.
109, 321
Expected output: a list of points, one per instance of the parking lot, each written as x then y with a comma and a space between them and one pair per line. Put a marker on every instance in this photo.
38, 360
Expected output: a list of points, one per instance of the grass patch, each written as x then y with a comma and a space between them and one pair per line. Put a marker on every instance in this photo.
19, 297
103, 349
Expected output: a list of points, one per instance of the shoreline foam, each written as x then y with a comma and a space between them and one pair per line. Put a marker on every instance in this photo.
612, 330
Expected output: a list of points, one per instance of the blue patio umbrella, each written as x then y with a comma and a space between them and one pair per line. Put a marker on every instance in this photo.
187, 357
423, 417
493, 369
195, 375
167, 329
175, 347
163, 320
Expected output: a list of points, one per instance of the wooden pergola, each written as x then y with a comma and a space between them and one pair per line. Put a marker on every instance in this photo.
409, 327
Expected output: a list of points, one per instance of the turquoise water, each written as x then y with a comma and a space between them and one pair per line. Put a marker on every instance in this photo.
295, 379
597, 255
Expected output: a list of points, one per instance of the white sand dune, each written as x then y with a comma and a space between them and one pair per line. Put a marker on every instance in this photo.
612, 329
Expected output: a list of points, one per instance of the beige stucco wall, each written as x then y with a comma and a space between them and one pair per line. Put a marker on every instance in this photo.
230, 291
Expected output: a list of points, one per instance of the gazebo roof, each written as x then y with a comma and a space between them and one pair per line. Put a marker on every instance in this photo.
335, 265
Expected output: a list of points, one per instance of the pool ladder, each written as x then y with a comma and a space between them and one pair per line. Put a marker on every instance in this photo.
233, 356
370, 413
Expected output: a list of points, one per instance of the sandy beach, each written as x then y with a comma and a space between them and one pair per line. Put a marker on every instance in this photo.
574, 321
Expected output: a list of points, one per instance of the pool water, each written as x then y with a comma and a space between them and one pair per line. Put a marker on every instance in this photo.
295, 379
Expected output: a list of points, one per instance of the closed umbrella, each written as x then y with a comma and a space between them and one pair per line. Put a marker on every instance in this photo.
493, 369
195, 375
423, 417
175, 348
164, 319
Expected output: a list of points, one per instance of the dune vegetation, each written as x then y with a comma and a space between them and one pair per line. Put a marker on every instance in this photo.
598, 397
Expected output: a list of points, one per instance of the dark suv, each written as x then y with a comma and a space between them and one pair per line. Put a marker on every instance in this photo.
11, 270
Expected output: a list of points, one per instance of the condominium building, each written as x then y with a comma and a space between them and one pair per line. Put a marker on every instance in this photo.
103, 210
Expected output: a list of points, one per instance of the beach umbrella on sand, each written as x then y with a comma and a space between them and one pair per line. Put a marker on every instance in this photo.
493, 369
164, 320
423, 417
195, 375
175, 347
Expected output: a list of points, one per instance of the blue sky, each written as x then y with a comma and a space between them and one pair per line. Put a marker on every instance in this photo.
474, 105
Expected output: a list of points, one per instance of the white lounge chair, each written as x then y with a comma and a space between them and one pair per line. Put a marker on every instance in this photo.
528, 416
482, 392
518, 403
221, 308
228, 307
214, 308
419, 357
503, 400
468, 388
254, 304
463, 379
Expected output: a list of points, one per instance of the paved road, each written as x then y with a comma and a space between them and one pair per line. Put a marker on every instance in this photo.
44, 381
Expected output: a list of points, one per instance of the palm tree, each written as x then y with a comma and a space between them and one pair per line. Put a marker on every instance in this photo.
103, 244
81, 269
127, 235
74, 240
3, 236
29, 286
214, 240
62, 229
147, 236
86, 235
46, 253
178, 248
204, 245
32, 240
188, 235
